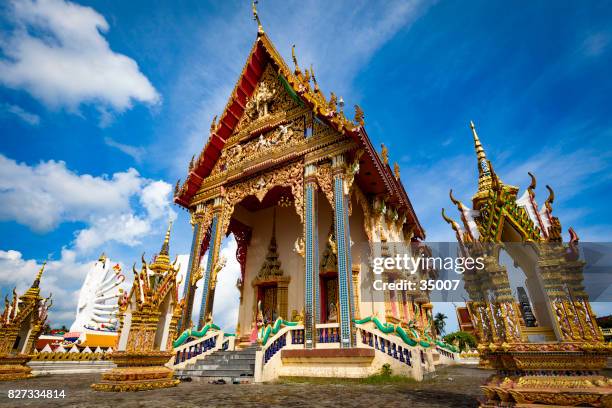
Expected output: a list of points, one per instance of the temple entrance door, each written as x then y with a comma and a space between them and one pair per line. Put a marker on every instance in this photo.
269, 304
329, 298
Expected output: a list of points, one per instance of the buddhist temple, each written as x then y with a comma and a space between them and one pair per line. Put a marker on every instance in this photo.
21, 324
301, 188
542, 338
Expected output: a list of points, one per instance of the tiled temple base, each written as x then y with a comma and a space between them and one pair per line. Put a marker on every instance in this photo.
561, 378
138, 372
14, 367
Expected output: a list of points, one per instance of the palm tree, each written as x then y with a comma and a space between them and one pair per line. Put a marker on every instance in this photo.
439, 323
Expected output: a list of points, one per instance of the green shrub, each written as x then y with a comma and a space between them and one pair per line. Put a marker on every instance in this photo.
466, 340
386, 371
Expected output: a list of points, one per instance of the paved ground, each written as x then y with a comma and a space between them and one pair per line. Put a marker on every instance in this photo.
452, 387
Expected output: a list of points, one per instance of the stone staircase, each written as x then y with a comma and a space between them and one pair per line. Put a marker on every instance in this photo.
234, 367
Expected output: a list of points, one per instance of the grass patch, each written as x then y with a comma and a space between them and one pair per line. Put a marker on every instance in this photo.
376, 379
388, 379
384, 376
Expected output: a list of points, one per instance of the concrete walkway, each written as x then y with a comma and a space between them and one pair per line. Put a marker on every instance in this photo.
453, 386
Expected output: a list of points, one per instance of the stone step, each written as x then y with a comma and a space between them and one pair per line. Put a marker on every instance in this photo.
228, 358
235, 353
226, 372
228, 380
205, 366
231, 366
233, 363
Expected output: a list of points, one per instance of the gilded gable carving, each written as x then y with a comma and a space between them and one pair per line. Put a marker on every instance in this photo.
269, 101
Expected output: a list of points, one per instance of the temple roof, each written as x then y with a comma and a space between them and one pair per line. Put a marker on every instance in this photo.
375, 176
495, 202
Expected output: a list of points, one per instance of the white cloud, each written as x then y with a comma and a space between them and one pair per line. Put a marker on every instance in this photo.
57, 280
28, 117
47, 194
124, 208
123, 228
69, 62
154, 198
135, 152
43, 195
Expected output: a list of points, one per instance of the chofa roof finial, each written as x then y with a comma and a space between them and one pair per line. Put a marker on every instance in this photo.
297, 70
532, 185
256, 18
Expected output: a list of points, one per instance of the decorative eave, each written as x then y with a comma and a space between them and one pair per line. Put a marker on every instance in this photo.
262, 52
398, 196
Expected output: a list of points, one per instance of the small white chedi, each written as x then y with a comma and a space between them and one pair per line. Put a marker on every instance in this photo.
98, 299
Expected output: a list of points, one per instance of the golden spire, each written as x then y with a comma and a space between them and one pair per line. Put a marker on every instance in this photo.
480, 153
256, 18
166, 245
39, 275
485, 172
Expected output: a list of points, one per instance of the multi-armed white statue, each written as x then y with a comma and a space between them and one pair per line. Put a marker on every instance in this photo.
97, 308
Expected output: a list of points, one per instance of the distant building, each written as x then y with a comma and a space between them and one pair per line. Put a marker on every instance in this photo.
464, 320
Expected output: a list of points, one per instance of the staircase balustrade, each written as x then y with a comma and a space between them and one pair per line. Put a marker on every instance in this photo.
393, 347
192, 350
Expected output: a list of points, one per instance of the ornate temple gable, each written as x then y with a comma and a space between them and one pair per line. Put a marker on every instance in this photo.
272, 122
301, 95
268, 107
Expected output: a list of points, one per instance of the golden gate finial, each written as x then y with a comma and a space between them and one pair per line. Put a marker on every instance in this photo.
484, 166
166, 245
480, 153
39, 275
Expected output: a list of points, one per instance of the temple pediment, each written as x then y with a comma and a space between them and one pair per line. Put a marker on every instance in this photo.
276, 115
270, 123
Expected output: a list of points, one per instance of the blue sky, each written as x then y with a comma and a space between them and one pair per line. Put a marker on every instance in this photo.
103, 103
